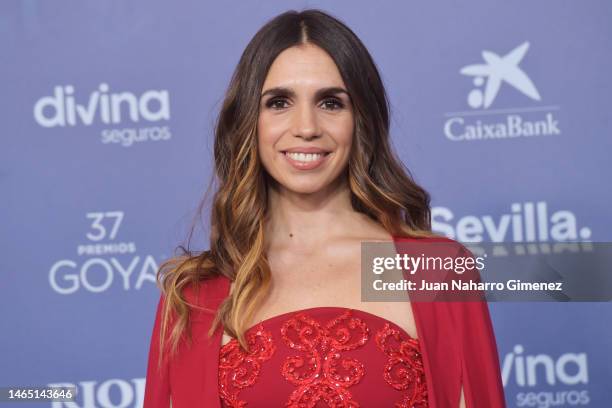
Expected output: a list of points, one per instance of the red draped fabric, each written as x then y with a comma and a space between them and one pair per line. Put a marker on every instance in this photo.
370, 361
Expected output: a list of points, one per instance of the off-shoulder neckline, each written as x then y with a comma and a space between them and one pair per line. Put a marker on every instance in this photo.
274, 318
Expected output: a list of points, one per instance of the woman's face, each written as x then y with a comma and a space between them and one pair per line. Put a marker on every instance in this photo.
305, 125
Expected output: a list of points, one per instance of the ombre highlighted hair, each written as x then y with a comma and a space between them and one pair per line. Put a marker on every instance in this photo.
381, 187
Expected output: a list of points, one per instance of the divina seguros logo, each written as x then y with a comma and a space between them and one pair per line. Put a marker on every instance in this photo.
545, 381
102, 107
489, 78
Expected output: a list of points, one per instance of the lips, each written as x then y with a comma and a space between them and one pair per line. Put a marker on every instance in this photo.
309, 149
305, 158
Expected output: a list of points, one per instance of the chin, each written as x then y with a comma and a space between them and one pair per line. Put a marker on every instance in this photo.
305, 187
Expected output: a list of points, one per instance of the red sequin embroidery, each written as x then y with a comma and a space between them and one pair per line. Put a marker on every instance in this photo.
404, 368
321, 373
238, 369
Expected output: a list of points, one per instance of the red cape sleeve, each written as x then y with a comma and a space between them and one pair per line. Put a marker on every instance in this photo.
157, 385
481, 375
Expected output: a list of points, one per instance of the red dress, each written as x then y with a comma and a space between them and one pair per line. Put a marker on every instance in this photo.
455, 347
333, 355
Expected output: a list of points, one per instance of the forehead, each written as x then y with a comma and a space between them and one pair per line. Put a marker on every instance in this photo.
303, 65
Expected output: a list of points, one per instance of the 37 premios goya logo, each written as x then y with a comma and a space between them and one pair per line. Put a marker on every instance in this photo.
124, 118
103, 262
488, 121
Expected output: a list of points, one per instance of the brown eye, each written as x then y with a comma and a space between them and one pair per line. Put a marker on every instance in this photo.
277, 103
332, 104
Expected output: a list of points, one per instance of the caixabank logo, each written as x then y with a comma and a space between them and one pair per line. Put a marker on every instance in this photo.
486, 120
124, 118
546, 381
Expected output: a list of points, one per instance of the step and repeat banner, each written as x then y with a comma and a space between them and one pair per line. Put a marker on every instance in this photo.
500, 109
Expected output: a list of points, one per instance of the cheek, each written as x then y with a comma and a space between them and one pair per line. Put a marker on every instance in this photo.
343, 131
269, 130
267, 137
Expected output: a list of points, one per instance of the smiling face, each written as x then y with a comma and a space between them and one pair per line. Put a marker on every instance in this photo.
305, 125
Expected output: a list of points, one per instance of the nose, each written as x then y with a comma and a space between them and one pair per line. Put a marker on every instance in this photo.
305, 123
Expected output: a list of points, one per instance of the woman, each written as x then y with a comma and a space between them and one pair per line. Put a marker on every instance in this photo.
272, 315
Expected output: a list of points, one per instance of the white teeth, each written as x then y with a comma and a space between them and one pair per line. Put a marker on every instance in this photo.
305, 157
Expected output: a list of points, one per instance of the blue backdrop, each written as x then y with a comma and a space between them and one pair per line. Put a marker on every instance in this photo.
500, 109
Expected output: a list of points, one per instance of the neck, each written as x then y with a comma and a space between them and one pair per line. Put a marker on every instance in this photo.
309, 220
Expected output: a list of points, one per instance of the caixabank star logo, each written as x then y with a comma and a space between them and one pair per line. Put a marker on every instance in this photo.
497, 73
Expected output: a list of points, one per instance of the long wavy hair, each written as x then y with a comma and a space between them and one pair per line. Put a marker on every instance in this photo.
381, 187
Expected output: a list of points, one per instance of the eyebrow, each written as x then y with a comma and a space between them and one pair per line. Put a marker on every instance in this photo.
280, 90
